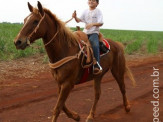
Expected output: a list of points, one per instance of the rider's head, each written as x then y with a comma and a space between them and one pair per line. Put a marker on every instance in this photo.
93, 3
97, 1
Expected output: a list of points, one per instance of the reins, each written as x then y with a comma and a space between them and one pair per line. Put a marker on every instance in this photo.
51, 39
84, 63
65, 60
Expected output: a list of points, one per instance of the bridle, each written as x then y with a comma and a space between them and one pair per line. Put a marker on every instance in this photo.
36, 29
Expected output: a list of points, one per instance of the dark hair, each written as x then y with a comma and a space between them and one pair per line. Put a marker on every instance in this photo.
97, 1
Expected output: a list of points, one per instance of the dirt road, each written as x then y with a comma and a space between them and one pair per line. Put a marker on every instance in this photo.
31, 99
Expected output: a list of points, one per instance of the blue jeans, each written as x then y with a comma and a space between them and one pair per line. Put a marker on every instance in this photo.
94, 40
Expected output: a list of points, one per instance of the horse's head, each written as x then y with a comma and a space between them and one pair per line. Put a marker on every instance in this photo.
33, 27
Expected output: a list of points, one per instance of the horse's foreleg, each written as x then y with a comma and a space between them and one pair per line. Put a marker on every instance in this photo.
64, 92
71, 114
97, 91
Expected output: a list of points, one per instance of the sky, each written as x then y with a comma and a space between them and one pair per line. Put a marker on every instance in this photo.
117, 14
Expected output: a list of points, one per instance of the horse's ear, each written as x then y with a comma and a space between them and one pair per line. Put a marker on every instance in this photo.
30, 7
40, 8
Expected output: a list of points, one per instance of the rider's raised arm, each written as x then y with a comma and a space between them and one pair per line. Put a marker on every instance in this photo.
74, 15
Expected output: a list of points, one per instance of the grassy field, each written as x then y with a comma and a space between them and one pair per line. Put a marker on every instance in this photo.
142, 42
8, 50
137, 41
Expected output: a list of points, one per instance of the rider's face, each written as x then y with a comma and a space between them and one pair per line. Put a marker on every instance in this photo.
92, 3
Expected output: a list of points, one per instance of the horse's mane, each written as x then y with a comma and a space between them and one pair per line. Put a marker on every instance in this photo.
65, 34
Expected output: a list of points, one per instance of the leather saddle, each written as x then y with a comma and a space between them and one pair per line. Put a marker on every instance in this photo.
104, 45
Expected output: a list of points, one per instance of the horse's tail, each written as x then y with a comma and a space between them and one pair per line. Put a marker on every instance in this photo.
130, 75
127, 70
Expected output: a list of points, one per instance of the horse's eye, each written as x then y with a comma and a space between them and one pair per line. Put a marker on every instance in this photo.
35, 22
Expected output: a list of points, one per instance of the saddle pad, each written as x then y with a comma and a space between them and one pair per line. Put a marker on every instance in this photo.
84, 78
106, 43
104, 47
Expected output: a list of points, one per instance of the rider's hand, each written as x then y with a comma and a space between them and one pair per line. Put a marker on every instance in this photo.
88, 26
74, 14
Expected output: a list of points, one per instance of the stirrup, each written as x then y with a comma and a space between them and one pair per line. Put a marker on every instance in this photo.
96, 70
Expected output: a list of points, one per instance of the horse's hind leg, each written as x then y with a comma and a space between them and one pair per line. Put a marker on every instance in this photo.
119, 77
64, 92
97, 91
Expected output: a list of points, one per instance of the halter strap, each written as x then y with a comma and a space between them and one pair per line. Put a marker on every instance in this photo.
37, 27
35, 30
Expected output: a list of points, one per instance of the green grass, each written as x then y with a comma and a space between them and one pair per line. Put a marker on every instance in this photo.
149, 42
145, 42
8, 50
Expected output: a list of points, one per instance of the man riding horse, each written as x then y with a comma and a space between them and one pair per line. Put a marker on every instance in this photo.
42, 23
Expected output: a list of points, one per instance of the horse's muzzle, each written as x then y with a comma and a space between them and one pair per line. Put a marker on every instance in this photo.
18, 43
21, 44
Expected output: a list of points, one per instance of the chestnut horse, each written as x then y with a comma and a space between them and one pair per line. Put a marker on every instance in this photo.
60, 42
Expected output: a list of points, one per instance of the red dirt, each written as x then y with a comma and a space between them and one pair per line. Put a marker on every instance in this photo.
28, 93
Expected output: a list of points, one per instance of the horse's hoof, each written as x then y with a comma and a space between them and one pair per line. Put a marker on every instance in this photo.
89, 120
77, 118
127, 108
53, 120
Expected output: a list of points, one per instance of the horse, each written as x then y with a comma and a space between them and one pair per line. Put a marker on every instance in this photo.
60, 43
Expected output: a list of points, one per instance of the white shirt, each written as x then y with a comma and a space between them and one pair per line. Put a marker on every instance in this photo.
92, 16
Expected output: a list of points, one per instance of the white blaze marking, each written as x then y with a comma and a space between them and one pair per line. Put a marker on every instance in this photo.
25, 24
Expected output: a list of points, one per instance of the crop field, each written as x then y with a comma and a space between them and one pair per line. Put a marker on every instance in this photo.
141, 42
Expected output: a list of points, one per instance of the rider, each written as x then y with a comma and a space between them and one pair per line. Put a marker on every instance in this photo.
93, 19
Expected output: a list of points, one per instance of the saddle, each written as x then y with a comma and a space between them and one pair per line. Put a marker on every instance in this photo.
104, 45
84, 44
84, 41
